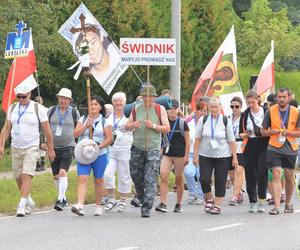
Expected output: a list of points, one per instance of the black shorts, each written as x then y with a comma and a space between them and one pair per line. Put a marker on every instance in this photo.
241, 162
63, 159
275, 159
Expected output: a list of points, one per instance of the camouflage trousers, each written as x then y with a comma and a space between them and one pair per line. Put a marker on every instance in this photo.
144, 169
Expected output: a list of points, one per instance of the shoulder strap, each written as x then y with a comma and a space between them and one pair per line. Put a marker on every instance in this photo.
36, 109
133, 112
181, 125
74, 115
225, 121
204, 119
52, 110
13, 107
158, 111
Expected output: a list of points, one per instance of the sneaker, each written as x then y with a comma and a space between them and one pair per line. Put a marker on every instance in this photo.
145, 213
191, 199
104, 200
98, 211
199, 201
21, 211
233, 201
110, 205
76, 209
161, 208
59, 205
260, 207
30, 202
252, 208
135, 202
27, 210
121, 206
177, 208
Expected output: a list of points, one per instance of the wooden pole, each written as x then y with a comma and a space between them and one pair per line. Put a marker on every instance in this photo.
88, 92
9, 99
148, 82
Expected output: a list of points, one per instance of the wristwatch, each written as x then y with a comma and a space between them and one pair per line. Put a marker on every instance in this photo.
154, 126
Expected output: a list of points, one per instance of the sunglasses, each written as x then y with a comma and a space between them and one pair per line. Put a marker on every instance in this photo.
21, 96
235, 106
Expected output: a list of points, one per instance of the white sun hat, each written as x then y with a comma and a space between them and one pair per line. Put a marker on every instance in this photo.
86, 151
65, 93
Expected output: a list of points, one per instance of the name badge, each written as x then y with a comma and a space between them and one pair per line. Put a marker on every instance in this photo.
17, 129
282, 138
58, 131
214, 143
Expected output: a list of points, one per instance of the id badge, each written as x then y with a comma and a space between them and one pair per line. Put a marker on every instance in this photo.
282, 138
167, 149
58, 131
214, 143
17, 129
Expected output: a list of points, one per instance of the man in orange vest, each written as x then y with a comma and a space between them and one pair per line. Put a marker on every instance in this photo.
282, 124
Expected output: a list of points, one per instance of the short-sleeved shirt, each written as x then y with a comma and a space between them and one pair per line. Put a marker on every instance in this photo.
222, 136
258, 119
192, 123
66, 139
124, 138
286, 148
25, 130
177, 141
98, 132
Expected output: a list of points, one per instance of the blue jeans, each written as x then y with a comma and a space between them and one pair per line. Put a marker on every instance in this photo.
190, 171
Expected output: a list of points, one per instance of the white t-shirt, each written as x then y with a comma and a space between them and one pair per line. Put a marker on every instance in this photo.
192, 127
236, 131
124, 138
258, 119
25, 133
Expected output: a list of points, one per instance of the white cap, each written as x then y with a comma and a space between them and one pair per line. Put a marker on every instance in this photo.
65, 93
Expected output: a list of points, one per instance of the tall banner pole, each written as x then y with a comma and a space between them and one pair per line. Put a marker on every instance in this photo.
148, 82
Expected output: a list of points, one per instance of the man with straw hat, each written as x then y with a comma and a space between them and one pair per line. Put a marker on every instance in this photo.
149, 121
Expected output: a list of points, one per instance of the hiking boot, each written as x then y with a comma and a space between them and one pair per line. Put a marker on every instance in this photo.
252, 208
98, 211
21, 211
177, 208
79, 210
161, 208
135, 202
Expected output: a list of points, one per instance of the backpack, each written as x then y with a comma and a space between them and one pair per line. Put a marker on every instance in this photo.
74, 114
225, 121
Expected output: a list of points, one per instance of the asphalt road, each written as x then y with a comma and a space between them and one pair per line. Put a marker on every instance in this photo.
192, 229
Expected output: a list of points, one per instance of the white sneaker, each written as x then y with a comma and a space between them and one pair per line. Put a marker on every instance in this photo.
98, 211
30, 202
260, 207
27, 209
191, 199
21, 212
199, 201
110, 205
121, 206
79, 210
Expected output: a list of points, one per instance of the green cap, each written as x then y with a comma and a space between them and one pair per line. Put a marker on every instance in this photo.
152, 91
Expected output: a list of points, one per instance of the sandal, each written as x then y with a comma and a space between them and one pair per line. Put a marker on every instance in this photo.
289, 209
208, 205
215, 210
274, 211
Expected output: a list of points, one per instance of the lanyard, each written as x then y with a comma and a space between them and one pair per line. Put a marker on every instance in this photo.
213, 127
235, 128
284, 119
172, 132
116, 123
62, 117
195, 121
20, 114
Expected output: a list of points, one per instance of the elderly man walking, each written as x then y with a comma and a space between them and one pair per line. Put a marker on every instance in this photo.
63, 119
24, 119
149, 121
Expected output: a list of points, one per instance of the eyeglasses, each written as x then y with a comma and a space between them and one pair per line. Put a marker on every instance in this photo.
235, 106
21, 96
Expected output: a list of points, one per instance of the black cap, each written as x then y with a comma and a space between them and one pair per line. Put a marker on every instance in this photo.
272, 98
175, 103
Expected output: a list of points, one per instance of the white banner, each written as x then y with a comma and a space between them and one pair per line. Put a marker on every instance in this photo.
104, 54
148, 51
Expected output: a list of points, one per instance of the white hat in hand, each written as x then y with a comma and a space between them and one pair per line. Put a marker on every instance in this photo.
86, 151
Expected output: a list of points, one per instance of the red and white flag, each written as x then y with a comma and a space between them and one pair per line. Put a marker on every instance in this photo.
266, 78
220, 78
24, 69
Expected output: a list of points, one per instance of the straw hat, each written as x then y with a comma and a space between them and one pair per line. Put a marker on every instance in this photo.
86, 151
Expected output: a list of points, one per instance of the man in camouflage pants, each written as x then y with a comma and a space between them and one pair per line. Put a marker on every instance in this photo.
145, 150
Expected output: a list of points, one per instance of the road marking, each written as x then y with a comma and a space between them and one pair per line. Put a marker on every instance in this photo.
128, 248
223, 227
41, 212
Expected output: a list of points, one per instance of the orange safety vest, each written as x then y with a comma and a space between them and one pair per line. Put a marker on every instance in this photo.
276, 124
